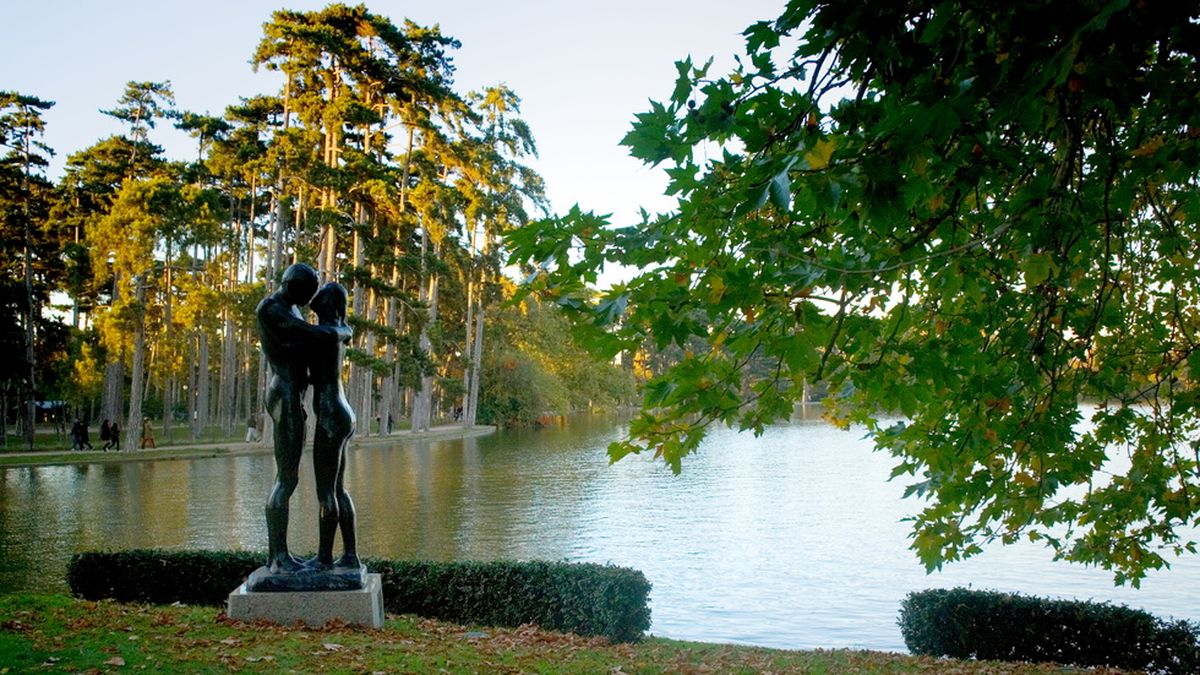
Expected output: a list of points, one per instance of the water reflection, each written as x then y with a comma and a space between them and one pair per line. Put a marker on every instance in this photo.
789, 540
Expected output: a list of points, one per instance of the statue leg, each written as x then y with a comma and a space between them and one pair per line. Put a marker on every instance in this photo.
346, 517
325, 468
289, 440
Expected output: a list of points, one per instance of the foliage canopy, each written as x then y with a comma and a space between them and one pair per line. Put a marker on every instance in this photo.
964, 218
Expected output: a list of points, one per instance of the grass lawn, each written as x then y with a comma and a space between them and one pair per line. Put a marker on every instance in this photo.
60, 634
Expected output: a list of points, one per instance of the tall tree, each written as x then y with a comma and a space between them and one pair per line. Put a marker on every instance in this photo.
127, 235
23, 192
349, 76
963, 219
140, 106
497, 187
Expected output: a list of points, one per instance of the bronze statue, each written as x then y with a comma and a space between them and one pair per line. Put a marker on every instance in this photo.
294, 349
335, 424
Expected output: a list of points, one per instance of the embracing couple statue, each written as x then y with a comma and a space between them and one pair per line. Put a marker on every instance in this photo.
300, 354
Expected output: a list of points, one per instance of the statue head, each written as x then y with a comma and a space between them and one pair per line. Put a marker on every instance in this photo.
330, 303
299, 283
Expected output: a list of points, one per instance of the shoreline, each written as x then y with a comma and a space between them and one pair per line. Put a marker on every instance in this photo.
18, 460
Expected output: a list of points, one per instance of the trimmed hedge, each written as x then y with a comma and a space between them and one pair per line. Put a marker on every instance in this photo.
582, 598
963, 623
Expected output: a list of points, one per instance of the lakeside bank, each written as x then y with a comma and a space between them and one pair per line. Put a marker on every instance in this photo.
224, 449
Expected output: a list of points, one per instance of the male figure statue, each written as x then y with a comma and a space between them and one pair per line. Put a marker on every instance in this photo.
287, 342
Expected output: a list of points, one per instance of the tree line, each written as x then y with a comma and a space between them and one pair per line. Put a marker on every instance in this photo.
132, 280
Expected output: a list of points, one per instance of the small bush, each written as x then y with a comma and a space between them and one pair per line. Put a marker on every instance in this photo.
582, 598
962, 623
161, 577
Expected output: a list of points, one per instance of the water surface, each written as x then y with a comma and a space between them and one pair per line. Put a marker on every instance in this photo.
789, 540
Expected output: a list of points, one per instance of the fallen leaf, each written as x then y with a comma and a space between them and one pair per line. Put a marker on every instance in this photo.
115, 661
229, 641
332, 646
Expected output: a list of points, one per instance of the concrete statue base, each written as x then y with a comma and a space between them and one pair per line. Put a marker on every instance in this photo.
360, 607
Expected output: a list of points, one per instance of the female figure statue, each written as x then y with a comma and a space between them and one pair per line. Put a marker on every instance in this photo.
335, 424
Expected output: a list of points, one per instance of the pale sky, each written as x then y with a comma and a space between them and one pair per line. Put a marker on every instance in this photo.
582, 69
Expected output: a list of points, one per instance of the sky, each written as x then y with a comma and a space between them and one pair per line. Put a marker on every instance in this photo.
582, 70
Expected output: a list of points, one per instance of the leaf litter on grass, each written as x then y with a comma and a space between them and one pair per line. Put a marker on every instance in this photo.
74, 635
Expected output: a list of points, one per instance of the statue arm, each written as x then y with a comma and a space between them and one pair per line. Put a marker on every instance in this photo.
344, 332
283, 320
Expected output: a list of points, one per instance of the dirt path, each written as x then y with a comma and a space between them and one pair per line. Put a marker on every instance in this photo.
222, 449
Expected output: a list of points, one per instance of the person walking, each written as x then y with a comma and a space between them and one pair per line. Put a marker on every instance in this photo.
84, 443
147, 434
114, 432
106, 435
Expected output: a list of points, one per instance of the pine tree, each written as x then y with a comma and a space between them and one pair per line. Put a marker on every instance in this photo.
23, 200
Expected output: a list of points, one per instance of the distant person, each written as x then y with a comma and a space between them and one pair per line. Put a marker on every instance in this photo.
106, 434
84, 443
251, 431
147, 434
115, 432
76, 435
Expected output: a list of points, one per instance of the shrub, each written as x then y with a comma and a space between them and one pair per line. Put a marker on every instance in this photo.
582, 598
962, 623
161, 577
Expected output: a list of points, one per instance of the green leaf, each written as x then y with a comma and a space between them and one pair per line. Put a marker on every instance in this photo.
683, 83
780, 190
1036, 269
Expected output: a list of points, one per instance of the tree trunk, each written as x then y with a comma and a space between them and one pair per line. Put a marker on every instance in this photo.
386, 403
114, 372
30, 313
133, 425
172, 384
423, 401
468, 360
227, 392
358, 372
366, 400
200, 412
476, 366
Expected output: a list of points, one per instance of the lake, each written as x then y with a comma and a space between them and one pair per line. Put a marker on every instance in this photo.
789, 540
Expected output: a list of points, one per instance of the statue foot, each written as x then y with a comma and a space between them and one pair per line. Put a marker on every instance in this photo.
348, 560
315, 564
285, 563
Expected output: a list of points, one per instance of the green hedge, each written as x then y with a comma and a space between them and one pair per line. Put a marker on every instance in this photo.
582, 598
963, 624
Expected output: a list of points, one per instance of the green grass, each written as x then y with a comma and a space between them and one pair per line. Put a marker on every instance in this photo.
57, 633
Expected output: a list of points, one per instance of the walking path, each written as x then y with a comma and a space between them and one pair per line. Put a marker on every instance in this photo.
224, 449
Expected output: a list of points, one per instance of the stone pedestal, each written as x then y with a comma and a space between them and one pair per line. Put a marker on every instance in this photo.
361, 607
308, 579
